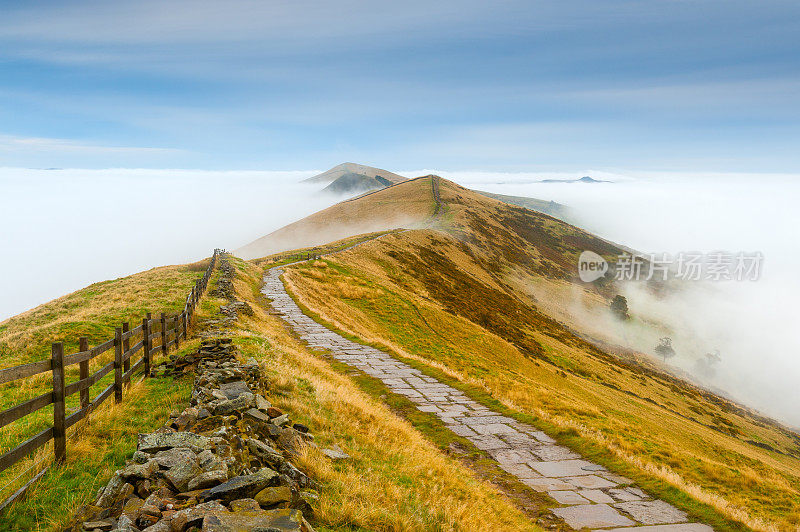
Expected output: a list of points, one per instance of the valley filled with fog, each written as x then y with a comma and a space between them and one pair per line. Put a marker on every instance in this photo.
751, 323
111, 223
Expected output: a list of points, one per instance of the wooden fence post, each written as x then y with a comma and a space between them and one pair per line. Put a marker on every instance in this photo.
126, 345
177, 333
118, 365
185, 325
146, 345
59, 428
163, 334
83, 345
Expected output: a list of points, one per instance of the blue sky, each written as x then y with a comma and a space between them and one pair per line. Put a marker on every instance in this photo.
505, 86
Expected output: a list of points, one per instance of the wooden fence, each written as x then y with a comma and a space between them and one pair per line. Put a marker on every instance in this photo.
154, 335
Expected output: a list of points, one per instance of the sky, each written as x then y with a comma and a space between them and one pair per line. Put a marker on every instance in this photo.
665, 85
118, 118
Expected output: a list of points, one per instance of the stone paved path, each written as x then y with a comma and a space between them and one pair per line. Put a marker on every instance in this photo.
591, 497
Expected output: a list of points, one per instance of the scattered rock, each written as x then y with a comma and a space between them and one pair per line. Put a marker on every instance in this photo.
276, 495
282, 520
207, 480
335, 453
243, 486
213, 465
160, 441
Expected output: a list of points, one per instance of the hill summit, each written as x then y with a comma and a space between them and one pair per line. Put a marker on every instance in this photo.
350, 178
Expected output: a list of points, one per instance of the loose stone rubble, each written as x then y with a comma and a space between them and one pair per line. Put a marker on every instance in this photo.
222, 465
591, 496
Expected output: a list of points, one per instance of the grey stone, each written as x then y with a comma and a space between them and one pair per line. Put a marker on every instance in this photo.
592, 516
567, 497
590, 482
139, 471
232, 390
98, 525
194, 515
282, 520
684, 527
547, 484
264, 452
562, 468
243, 486
207, 480
623, 495
109, 494
653, 512
256, 415
182, 473
261, 403
596, 496
208, 461
550, 453
172, 457
241, 403
336, 453
150, 443
281, 420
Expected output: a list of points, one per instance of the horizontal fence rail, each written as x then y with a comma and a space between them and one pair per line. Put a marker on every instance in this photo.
152, 336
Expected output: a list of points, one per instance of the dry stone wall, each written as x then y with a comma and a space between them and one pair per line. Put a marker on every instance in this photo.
223, 464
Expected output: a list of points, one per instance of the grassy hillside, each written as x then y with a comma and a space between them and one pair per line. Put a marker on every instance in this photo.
353, 168
93, 312
396, 480
453, 301
405, 205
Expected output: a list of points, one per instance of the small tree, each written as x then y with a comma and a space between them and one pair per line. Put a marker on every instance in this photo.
619, 307
665, 348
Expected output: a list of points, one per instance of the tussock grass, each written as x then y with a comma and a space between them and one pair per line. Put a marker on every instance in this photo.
429, 299
94, 451
93, 312
397, 480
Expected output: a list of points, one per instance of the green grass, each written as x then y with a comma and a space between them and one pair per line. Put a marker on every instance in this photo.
582, 391
92, 457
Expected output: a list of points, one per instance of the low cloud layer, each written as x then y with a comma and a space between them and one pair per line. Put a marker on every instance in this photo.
65, 229
752, 324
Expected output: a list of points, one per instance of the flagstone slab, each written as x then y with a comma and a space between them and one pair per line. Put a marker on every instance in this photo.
561, 468
596, 496
567, 497
547, 484
592, 516
682, 527
590, 482
653, 512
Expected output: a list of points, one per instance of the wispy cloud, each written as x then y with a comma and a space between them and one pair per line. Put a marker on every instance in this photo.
11, 143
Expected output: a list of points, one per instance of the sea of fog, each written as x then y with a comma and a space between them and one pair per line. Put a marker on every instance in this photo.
752, 324
63, 229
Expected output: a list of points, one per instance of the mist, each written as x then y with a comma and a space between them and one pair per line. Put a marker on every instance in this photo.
752, 324
64, 229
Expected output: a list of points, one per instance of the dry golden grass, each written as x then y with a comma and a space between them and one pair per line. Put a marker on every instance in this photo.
397, 480
95, 449
405, 205
646, 422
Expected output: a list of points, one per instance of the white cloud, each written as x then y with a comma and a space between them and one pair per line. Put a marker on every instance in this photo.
10, 143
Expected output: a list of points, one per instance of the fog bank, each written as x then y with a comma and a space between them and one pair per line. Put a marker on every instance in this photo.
752, 324
64, 229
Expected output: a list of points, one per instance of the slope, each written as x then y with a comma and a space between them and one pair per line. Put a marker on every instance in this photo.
352, 168
452, 299
404, 205
352, 183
